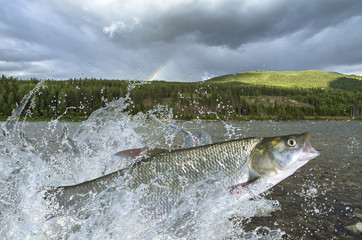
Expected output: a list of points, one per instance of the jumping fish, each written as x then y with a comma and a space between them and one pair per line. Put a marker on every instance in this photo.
247, 166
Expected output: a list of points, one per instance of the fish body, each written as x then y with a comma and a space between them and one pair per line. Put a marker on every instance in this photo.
164, 176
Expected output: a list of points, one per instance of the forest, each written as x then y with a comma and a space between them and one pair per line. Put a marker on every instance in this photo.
78, 98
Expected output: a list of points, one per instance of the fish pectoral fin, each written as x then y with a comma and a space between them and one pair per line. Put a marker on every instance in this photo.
140, 154
239, 188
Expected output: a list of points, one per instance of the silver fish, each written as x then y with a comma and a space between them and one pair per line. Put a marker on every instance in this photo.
247, 166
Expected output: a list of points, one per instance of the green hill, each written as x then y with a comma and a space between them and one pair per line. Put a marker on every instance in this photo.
303, 79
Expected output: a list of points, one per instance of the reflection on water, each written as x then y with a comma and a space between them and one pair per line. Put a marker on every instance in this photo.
320, 201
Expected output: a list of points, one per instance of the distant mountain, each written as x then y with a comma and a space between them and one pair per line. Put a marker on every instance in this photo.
303, 79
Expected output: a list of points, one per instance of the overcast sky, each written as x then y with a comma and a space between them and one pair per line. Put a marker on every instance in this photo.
187, 40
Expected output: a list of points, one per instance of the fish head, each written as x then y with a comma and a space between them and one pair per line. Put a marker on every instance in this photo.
283, 154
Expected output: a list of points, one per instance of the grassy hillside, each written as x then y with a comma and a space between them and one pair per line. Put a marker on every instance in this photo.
304, 79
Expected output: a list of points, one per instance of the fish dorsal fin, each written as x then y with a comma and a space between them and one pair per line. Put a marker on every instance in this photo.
140, 154
131, 153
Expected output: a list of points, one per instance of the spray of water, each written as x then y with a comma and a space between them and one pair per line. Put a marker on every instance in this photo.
57, 157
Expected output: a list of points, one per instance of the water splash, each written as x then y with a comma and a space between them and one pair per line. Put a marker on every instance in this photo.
230, 130
58, 157
11, 123
352, 144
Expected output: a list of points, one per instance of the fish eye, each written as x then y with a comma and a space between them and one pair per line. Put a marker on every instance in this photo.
291, 142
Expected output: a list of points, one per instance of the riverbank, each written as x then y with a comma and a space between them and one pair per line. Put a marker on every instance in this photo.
246, 119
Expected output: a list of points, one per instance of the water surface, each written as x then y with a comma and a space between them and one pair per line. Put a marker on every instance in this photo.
318, 202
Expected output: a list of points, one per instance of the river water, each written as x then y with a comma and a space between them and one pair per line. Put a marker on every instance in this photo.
320, 201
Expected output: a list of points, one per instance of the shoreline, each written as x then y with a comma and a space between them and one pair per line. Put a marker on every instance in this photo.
320, 119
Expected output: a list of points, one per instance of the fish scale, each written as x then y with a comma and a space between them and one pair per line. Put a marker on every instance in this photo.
196, 164
171, 174
168, 175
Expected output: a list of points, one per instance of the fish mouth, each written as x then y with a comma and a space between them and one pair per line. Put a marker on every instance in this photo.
309, 151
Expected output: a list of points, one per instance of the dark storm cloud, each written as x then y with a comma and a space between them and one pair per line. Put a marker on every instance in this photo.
233, 23
133, 38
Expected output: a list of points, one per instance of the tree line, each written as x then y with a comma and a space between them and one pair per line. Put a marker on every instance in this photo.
189, 100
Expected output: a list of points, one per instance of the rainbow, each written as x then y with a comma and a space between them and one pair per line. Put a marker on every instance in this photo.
154, 75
